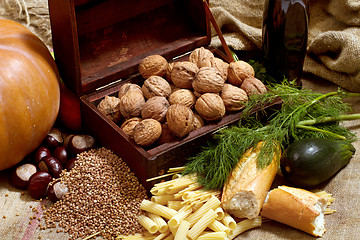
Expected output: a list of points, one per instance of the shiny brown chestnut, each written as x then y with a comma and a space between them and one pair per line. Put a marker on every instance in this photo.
20, 175
41, 152
80, 143
57, 191
70, 164
53, 139
60, 153
51, 165
38, 184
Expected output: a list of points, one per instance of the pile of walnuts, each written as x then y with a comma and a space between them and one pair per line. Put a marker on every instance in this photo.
179, 97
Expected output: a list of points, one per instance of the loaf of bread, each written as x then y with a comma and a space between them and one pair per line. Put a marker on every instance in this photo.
248, 185
296, 207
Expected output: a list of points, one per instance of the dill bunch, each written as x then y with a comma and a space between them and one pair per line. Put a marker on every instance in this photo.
301, 110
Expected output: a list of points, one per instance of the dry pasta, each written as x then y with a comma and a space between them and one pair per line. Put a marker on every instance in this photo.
229, 221
245, 225
217, 226
149, 224
163, 227
176, 205
180, 215
212, 203
182, 230
202, 224
161, 236
213, 236
220, 213
163, 199
156, 208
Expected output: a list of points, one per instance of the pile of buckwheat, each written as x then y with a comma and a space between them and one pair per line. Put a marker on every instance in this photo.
104, 195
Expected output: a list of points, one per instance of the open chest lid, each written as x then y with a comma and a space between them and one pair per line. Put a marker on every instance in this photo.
97, 42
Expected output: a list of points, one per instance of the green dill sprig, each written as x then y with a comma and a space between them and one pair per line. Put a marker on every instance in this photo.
301, 110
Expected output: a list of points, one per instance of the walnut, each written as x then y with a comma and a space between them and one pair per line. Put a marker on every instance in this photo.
155, 108
182, 96
198, 122
127, 87
153, 65
202, 57
129, 125
210, 106
147, 132
166, 135
183, 74
156, 86
221, 66
208, 80
238, 71
110, 106
253, 86
168, 72
180, 119
131, 104
234, 97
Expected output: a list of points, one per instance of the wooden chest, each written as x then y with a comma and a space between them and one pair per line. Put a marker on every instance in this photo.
98, 45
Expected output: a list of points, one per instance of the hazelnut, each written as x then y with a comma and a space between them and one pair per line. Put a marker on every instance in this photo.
182, 96
238, 71
155, 108
253, 86
183, 74
208, 80
153, 65
156, 86
128, 87
147, 132
180, 119
221, 66
202, 57
110, 107
234, 97
129, 125
198, 122
210, 106
131, 104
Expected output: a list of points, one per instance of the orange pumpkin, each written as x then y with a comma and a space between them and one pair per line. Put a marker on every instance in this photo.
29, 92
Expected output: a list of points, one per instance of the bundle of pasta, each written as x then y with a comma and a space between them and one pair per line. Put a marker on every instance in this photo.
296, 207
246, 189
182, 209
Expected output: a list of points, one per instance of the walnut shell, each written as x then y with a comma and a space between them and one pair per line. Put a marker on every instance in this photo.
198, 122
180, 119
153, 65
166, 135
155, 108
208, 80
110, 106
156, 86
131, 104
183, 74
147, 132
128, 87
234, 97
221, 66
129, 125
238, 71
168, 72
253, 86
202, 57
210, 106
182, 96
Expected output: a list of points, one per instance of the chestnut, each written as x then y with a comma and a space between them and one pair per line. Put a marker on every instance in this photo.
51, 165
57, 191
70, 164
80, 143
41, 152
20, 175
38, 184
60, 153
53, 139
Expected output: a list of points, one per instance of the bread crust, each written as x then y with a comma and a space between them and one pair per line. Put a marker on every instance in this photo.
295, 207
247, 187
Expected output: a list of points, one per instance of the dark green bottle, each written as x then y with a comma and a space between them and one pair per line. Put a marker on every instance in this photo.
284, 38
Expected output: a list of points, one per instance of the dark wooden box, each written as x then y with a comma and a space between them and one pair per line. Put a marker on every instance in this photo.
98, 46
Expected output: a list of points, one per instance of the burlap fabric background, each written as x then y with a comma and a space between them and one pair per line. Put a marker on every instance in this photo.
334, 31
